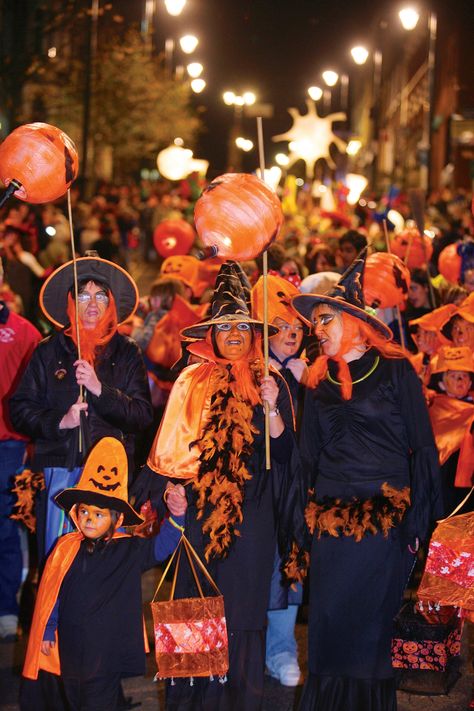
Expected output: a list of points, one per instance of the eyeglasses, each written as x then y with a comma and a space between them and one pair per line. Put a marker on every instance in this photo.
286, 327
228, 326
100, 298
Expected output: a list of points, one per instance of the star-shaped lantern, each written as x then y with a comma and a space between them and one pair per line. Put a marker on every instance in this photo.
311, 136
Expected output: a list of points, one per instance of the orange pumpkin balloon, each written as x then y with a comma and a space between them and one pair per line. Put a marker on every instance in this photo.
449, 263
238, 216
42, 158
386, 280
419, 248
173, 237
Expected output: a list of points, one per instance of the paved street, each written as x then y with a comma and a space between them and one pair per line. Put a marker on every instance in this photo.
277, 698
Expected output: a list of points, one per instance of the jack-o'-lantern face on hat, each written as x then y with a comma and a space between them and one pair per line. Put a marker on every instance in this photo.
103, 481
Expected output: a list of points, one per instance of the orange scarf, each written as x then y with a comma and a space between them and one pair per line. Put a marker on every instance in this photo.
354, 331
92, 339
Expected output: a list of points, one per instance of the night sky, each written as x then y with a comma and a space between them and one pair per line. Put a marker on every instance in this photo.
276, 48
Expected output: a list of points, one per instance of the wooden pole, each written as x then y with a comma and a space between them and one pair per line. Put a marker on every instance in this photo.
397, 307
76, 302
265, 303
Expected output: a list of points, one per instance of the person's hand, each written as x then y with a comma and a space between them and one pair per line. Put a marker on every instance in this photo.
72, 418
175, 498
47, 646
299, 369
86, 376
269, 391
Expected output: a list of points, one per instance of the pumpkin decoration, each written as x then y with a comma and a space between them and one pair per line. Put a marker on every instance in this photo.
173, 237
449, 263
386, 280
418, 248
183, 267
238, 216
40, 157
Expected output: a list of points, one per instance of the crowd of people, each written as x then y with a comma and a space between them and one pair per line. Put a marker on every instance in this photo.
159, 399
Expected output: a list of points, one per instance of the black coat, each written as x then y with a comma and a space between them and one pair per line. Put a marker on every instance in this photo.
48, 389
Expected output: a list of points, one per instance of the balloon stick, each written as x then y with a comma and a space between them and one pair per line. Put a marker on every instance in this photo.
265, 303
76, 301
12, 187
397, 307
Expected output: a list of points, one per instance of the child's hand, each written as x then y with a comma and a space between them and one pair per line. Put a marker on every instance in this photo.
46, 647
175, 497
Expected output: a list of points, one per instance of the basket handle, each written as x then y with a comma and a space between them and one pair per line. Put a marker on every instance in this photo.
458, 507
168, 565
191, 553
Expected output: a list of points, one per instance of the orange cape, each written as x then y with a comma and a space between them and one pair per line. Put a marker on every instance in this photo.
452, 420
57, 565
186, 412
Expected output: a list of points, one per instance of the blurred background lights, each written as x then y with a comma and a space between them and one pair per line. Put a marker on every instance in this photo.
282, 159
315, 92
330, 77
244, 144
353, 147
175, 7
197, 85
409, 18
188, 43
194, 69
359, 54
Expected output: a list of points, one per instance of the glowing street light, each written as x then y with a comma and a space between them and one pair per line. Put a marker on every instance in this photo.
197, 85
249, 98
359, 54
409, 17
228, 97
188, 43
353, 147
330, 78
245, 144
315, 92
282, 159
175, 7
194, 69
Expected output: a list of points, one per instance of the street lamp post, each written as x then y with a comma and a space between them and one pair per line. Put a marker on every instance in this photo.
88, 86
237, 101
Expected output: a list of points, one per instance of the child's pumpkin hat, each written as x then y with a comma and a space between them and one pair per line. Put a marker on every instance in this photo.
103, 482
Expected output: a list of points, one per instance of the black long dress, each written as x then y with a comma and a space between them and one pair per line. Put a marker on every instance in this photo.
243, 576
350, 448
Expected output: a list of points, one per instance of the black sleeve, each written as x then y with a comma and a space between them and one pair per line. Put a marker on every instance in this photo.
29, 412
309, 439
130, 409
281, 447
425, 484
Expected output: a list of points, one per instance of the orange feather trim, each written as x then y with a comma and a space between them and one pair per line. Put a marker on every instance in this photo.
358, 517
26, 485
225, 445
296, 566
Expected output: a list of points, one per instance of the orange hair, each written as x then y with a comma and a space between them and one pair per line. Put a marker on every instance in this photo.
244, 380
94, 338
354, 330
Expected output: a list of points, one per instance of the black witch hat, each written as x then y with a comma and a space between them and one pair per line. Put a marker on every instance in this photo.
230, 303
53, 295
346, 295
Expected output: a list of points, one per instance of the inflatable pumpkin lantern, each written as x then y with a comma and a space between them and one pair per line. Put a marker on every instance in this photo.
173, 237
238, 216
386, 280
42, 159
449, 263
418, 248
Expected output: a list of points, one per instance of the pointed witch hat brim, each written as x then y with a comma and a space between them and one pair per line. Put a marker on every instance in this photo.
53, 294
347, 295
103, 482
230, 303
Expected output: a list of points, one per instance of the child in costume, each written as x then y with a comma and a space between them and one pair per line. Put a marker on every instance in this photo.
87, 624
